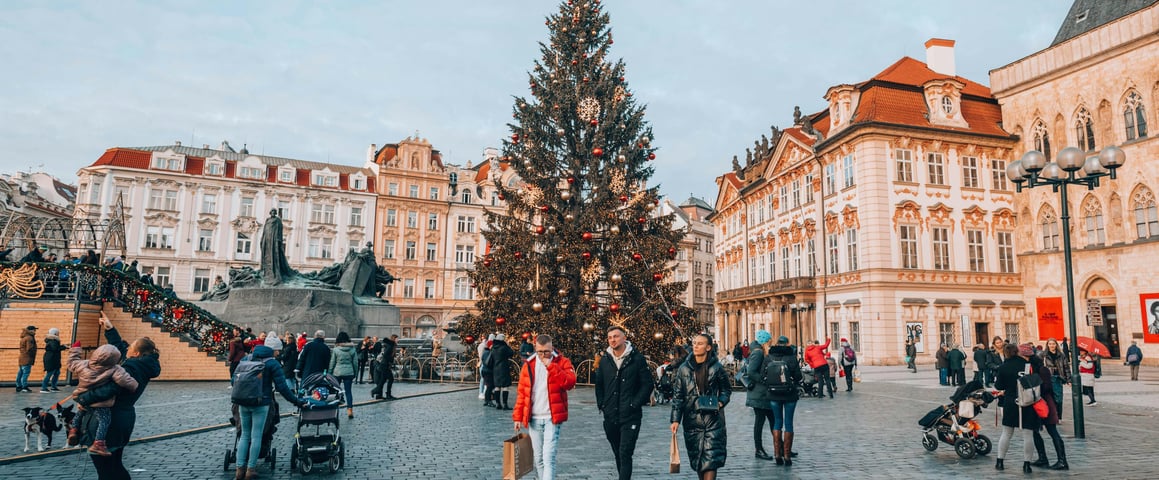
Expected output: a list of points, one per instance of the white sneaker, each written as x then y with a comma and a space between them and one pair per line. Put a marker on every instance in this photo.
480, 396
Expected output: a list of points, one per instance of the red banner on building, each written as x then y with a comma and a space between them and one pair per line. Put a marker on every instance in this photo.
1050, 318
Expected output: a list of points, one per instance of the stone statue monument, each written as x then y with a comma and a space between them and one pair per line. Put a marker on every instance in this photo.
275, 269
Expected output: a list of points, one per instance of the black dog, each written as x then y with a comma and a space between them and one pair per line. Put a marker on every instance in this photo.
38, 421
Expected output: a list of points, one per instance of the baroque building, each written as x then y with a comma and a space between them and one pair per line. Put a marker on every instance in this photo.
192, 214
883, 217
1096, 85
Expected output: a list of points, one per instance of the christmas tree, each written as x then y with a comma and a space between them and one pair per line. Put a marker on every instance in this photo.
578, 248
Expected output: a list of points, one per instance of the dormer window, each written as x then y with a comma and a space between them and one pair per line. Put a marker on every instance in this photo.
947, 105
943, 98
357, 182
323, 179
253, 173
174, 163
286, 174
215, 168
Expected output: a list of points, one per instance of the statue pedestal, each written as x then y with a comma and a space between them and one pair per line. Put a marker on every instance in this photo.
304, 310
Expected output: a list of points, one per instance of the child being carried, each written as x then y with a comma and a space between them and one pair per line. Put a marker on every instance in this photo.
99, 378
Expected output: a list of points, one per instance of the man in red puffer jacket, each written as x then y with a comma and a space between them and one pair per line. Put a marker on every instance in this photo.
815, 357
541, 402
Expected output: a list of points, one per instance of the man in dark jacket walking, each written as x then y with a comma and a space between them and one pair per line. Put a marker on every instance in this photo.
1133, 358
236, 352
623, 386
957, 361
384, 362
315, 356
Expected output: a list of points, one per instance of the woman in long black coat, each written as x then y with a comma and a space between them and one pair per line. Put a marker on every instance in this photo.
705, 437
501, 355
1014, 417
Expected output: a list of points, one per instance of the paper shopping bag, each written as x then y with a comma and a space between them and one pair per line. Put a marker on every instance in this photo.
518, 459
856, 375
674, 456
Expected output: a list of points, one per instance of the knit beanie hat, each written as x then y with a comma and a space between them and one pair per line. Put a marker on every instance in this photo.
763, 337
783, 340
1026, 350
54, 331
273, 342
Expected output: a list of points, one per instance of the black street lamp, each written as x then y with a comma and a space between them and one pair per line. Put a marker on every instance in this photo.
1072, 167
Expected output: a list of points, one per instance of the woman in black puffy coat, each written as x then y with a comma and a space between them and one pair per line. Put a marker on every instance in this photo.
705, 437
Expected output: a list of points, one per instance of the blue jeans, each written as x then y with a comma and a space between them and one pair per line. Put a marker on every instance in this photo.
943, 376
249, 446
544, 438
50, 379
783, 415
347, 384
22, 376
1056, 386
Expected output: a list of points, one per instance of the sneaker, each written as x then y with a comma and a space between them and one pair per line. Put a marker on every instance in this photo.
44, 391
55, 389
1092, 404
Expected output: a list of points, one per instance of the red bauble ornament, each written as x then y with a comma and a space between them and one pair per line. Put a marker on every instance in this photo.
595, 306
500, 320
586, 79
594, 122
651, 156
673, 312
641, 220
486, 263
587, 236
570, 180
614, 308
526, 335
637, 257
624, 198
514, 137
544, 208
621, 79
533, 85
502, 197
539, 229
598, 151
518, 254
587, 255
672, 252
469, 338
575, 62
657, 276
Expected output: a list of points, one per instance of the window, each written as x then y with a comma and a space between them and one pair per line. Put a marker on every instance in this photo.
465, 196
388, 249
905, 165
1049, 230
494, 199
1012, 333
391, 217
752, 270
209, 203
246, 209
243, 245
833, 250
432, 250
434, 193
998, 174
946, 333
1005, 252
809, 188
849, 171
358, 183
1041, 139
1084, 130
322, 214
1146, 215
784, 198
772, 265
760, 214
785, 262
414, 191
464, 254
429, 289
936, 168
1093, 223
162, 277
851, 248
855, 336
214, 168
200, 280
412, 219
159, 237
325, 180
408, 288
253, 173
796, 193
356, 216
976, 250
95, 194
1135, 117
205, 240
835, 332
761, 273
392, 189
947, 105
158, 199
320, 247
283, 209
810, 257
463, 289
830, 179
970, 172
909, 246
389, 290
453, 178
172, 163
708, 291
433, 221
410, 250
466, 224
286, 175
941, 247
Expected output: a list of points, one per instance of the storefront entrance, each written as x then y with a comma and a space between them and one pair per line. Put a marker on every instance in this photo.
981, 333
1108, 332
1100, 302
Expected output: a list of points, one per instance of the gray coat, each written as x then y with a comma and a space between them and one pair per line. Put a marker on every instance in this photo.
758, 396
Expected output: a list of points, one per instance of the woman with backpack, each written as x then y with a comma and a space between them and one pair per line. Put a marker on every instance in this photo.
848, 363
781, 373
1014, 416
343, 362
702, 392
758, 393
253, 391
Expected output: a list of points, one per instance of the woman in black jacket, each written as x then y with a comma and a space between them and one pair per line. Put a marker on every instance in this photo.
702, 392
758, 396
52, 349
289, 359
142, 361
1014, 417
501, 355
784, 400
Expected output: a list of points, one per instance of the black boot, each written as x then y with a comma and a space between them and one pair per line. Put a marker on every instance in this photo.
498, 403
506, 404
999, 465
1060, 449
1040, 447
487, 397
1026, 467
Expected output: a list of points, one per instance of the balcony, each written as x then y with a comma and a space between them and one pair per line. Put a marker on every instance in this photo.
795, 286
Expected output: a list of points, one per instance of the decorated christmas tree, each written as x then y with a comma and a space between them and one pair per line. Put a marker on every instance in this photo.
579, 247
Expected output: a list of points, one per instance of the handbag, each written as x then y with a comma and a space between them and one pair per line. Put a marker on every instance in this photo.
707, 403
908, 358
742, 378
1041, 408
674, 456
518, 458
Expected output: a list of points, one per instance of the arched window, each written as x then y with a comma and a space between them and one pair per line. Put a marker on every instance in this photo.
466, 196
1042, 139
1093, 222
1049, 223
454, 177
697, 290
1146, 215
1084, 130
1135, 117
463, 289
708, 291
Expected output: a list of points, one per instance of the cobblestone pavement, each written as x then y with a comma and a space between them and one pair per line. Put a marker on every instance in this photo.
870, 433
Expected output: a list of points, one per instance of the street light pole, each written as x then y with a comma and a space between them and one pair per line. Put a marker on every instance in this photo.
1072, 167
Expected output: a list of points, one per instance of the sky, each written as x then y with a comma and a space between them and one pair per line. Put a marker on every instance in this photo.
321, 81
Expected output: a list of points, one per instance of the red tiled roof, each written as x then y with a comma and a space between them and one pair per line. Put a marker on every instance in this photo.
731, 178
881, 103
796, 133
908, 71
123, 157
485, 168
386, 154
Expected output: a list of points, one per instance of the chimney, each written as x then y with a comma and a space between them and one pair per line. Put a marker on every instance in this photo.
177, 142
940, 56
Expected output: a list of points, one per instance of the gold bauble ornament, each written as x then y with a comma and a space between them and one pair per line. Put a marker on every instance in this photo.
658, 336
569, 217
615, 229
616, 278
496, 290
565, 195
538, 307
563, 292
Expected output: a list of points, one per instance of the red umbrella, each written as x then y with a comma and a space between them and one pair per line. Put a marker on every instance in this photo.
1094, 346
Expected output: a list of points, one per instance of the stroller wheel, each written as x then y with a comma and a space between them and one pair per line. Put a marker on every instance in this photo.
341, 455
305, 465
982, 444
293, 459
929, 442
272, 458
964, 447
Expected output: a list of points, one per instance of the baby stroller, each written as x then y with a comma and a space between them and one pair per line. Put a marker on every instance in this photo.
954, 423
268, 431
808, 386
324, 399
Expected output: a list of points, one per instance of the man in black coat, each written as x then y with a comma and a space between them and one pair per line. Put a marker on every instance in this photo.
623, 386
384, 364
315, 356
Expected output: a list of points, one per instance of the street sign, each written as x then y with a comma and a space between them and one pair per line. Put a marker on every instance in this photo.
1094, 312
